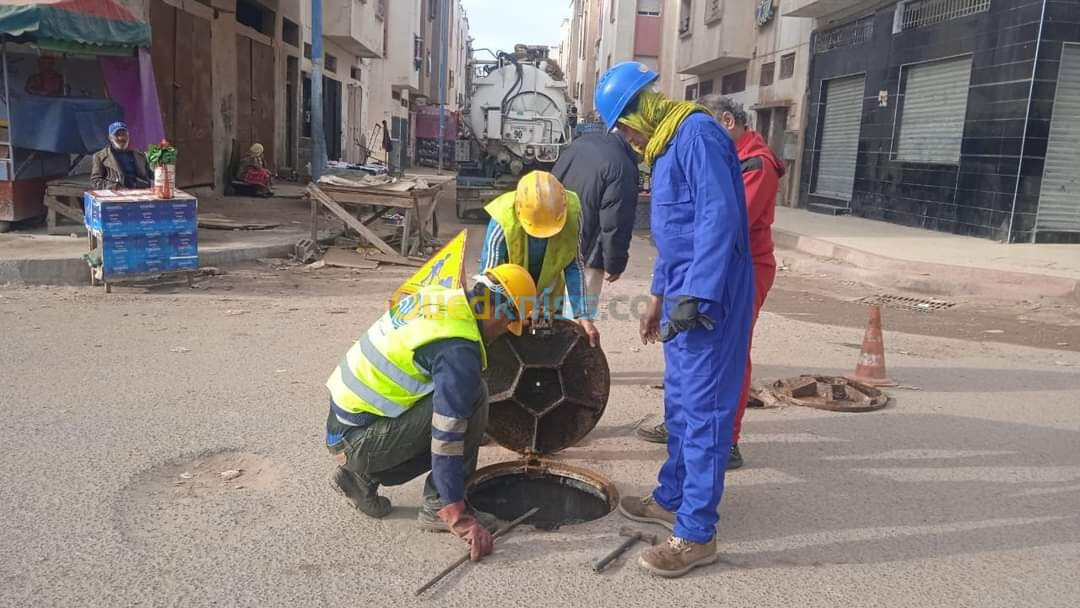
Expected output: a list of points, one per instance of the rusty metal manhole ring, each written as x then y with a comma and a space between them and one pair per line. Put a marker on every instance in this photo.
907, 303
831, 393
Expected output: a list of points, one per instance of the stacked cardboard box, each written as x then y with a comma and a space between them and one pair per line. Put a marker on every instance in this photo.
140, 233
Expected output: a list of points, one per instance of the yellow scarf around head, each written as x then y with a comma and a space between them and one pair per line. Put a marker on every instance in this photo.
659, 118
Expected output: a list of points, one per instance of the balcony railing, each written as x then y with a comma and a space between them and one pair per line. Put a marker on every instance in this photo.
921, 13
851, 34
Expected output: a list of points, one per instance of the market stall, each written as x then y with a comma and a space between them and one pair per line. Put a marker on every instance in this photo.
67, 70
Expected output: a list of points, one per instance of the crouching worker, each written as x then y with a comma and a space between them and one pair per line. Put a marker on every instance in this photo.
408, 398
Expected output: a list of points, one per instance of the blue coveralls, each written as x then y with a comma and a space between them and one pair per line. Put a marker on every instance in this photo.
700, 228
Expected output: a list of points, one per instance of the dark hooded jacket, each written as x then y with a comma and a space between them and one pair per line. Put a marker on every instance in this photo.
601, 168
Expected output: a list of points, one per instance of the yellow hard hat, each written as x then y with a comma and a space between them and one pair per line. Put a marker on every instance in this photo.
519, 287
540, 204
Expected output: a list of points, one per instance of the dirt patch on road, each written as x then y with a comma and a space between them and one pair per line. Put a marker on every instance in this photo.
194, 499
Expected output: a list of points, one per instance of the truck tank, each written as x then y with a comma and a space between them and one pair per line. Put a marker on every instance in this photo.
517, 119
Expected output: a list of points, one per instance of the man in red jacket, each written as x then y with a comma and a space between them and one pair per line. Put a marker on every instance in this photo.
761, 172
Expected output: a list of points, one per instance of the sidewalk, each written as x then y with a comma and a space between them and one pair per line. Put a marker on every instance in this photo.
37, 258
932, 262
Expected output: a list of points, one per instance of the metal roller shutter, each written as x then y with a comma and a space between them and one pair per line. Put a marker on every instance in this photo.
840, 137
1059, 201
933, 112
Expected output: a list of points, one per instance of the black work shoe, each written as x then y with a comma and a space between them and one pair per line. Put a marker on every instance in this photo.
428, 520
361, 492
653, 434
735, 459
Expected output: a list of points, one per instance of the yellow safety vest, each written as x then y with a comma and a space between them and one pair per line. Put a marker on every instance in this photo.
561, 248
378, 375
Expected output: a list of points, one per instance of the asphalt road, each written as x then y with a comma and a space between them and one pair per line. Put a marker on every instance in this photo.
120, 412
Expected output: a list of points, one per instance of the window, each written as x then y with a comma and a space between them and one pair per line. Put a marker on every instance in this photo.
355, 73
650, 7
787, 66
307, 50
380, 9
714, 10
290, 33
932, 109
428, 64
450, 84
686, 10
733, 83
418, 52
611, 11
768, 73
331, 62
433, 8
691, 92
921, 13
705, 88
255, 16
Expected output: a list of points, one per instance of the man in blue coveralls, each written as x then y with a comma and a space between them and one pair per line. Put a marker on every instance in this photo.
703, 287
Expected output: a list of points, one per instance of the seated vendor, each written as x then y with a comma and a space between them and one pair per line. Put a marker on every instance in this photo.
252, 171
117, 167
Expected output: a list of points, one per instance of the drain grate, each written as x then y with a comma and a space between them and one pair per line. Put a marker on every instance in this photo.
907, 303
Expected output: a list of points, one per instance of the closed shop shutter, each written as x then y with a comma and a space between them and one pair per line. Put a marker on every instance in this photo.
840, 137
1059, 201
933, 112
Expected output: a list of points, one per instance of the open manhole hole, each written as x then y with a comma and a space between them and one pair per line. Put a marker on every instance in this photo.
907, 303
564, 494
548, 390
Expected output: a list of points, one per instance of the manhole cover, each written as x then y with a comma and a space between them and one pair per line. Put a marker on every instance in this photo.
833, 393
907, 303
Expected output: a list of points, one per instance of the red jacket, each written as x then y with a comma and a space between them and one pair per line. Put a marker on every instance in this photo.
761, 176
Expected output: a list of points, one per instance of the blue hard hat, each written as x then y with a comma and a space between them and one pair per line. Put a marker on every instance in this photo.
117, 126
618, 87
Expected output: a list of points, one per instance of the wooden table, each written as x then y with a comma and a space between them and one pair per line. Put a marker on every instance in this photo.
418, 204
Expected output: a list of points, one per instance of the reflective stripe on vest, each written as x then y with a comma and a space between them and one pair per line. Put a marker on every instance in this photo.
560, 251
379, 375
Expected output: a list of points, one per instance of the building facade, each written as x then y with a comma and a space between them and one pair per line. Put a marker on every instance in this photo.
952, 115
751, 52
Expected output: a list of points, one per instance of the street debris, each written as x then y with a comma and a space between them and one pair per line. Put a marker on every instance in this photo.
235, 313
994, 331
186, 475
306, 251
212, 271
180, 349
344, 258
832, 393
316, 265
230, 474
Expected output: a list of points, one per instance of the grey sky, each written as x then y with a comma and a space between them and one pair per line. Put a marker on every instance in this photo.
500, 24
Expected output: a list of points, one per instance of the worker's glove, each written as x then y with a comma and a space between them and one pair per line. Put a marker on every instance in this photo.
468, 529
684, 316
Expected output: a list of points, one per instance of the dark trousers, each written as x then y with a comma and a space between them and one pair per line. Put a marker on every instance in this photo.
394, 451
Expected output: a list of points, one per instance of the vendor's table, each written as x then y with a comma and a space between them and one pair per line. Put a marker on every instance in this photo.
139, 235
418, 204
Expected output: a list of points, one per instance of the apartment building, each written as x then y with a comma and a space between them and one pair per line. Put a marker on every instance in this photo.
581, 67
630, 30
751, 52
951, 115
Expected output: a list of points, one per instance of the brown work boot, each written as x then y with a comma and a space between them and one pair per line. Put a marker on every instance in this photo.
677, 556
645, 509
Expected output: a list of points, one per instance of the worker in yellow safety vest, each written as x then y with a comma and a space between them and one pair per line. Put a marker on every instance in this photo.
536, 226
409, 398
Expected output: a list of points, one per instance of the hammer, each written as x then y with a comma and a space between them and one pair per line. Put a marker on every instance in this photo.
629, 542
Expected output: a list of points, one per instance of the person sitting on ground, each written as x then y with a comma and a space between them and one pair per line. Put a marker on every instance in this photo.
252, 171
117, 167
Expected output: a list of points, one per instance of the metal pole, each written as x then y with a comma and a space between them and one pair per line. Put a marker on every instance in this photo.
318, 135
444, 46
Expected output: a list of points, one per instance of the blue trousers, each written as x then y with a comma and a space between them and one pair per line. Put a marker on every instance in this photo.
703, 377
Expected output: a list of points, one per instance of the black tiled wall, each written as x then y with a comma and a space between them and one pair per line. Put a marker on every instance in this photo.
997, 166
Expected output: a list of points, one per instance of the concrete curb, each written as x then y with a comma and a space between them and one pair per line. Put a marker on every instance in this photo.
73, 271
933, 278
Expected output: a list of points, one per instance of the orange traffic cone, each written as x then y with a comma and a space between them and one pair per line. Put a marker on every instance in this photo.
871, 366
